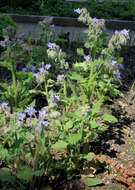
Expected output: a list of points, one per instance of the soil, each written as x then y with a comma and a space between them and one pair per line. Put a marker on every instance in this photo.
113, 143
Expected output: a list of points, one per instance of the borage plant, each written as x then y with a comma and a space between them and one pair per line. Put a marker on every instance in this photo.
39, 144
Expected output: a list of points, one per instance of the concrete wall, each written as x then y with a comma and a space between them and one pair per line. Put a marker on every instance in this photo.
29, 24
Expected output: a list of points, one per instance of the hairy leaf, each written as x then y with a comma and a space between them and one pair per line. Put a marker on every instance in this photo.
92, 182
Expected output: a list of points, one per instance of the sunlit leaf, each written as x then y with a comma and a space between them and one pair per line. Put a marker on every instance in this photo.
89, 156
68, 125
109, 118
92, 182
59, 145
74, 138
80, 52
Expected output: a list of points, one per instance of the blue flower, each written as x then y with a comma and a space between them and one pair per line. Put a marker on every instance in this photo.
44, 21
124, 32
4, 105
52, 26
87, 58
51, 45
47, 66
30, 111
21, 116
95, 20
35, 74
33, 68
118, 76
61, 78
4, 45
54, 98
44, 124
57, 97
78, 11
113, 63
39, 77
41, 69
43, 113
120, 66
24, 69
111, 179
6, 40
20, 36
14, 44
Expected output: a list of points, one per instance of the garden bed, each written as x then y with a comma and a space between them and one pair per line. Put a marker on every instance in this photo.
64, 120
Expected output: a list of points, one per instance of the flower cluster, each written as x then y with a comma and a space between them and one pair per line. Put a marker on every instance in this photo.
31, 116
4, 106
4, 109
61, 78
52, 46
84, 15
54, 52
115, 66
78, 11
118, 39
43, 113
21, 116
5, 42
95, 38
96, 24
30, 111
54, 98
43, 71
46, 21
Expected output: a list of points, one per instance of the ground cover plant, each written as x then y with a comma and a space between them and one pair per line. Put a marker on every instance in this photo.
119, 9
50, 109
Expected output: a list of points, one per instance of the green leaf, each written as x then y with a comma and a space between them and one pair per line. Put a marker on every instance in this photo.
82, 66
89, 156
94, 124
21, 75
36, 92
25, 174
4, 85
76, 76
109, 118
3, 153
92, 182
80, 52
58, 123
96, 108
7, 63
5, 175
59, 145
74, 138
68, 125
39, 173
